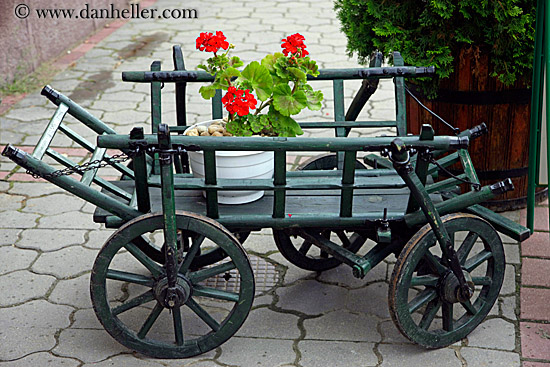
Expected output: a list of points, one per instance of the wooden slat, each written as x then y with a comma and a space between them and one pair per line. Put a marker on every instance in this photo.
279, 182
217, 112
97, 180
49, 132
212, 207
88, 176
348, 178
91, 148
400, 100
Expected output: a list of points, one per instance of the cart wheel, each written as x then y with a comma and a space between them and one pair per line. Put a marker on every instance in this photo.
305, 255
128, 288
423, 297
325, 162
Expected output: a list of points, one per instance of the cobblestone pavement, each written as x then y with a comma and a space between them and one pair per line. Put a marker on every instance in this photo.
48, 240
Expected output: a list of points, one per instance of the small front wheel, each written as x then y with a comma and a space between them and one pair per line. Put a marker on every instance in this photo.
208, 305
424, 298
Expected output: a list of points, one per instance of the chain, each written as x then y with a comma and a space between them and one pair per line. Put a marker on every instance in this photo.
88, 166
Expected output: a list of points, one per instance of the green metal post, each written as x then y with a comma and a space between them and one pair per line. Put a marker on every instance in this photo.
536, 97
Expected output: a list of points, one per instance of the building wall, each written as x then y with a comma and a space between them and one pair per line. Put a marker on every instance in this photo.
26, 43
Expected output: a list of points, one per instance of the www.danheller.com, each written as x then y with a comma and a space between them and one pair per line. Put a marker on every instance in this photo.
135, 11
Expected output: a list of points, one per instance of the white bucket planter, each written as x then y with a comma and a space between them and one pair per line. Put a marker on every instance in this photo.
236, 165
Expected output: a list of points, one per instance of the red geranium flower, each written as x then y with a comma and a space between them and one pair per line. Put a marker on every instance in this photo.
239, 101
211, 43
294, 45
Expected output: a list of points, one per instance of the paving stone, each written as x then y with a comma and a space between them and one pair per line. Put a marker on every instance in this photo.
311, 297
494, 334
395, 355
343, 276
343, 326
68, 220
259, 243
390, 333
67, 262
535, 272
85, 319
371, 300
14, 219
34, 189
10, 202
336, 353
29, 113
21, 286
15, 259
50, 239
489, 358
538, 245
266, 299
509, 307
42, 359
125, 360
534, 304
9, 236
292, 272
535, 340
535, 364
73, 292
53, 204
265, 323
509, 283
21, 322
98, 237
512, 254
87, 345
257, 352
10, 137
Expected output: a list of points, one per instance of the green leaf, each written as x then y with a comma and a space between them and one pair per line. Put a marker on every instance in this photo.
235, 61
314, 99
298, 74
310, 66
283, 125
270, 60
260, 78
207, 91
286, 102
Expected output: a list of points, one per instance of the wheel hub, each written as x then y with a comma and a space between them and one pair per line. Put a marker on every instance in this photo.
171, 297
450, 288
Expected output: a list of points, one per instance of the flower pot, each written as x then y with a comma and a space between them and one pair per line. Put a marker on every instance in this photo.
236, 165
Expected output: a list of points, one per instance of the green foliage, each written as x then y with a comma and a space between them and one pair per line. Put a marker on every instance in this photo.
279, 82
432, 32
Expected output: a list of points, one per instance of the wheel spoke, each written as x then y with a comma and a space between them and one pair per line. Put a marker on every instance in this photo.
467, 245
153, 316
447, 311
428, 280
477, 260
134, 302
421, 299
201, 312
193, 250
129, 277
429, 314
468, 306
178, 327
304, 248
199, 290
203, 274
345, 240
434, 264
482, 280
145, 260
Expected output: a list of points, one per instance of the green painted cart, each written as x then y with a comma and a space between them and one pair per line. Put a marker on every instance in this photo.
173, 281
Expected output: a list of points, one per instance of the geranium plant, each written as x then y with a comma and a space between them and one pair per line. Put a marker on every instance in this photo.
261, 98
